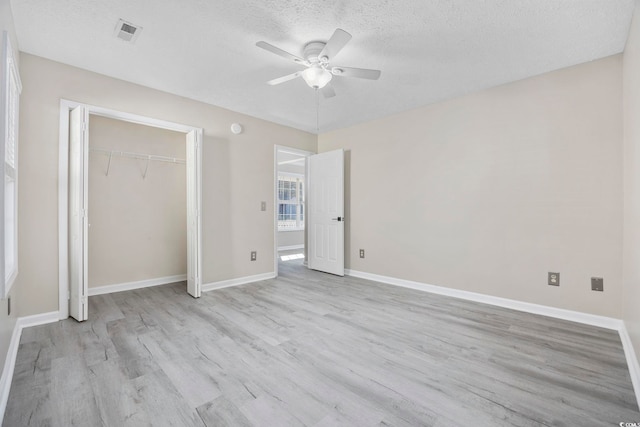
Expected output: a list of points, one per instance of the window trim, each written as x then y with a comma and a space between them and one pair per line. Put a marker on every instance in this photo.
9, 120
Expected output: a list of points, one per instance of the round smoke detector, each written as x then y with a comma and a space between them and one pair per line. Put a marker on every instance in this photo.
236, 128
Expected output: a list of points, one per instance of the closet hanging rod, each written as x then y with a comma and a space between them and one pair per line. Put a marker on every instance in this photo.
139, 156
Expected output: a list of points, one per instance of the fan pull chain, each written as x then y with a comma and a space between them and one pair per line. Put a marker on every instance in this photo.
317, 112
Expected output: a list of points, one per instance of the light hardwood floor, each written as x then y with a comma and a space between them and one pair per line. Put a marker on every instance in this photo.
316, 350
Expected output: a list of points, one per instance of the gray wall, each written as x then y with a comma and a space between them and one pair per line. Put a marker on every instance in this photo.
631, 273
490, 191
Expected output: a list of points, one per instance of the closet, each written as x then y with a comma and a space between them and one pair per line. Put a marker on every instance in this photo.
137, 208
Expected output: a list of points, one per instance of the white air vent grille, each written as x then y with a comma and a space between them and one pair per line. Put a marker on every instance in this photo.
127, 31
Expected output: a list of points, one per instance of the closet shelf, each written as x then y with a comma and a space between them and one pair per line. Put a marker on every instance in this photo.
139, 156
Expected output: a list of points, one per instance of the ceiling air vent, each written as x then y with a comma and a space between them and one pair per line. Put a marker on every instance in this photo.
127, 31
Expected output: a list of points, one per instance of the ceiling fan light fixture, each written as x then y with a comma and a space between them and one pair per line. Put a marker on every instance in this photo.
316, 76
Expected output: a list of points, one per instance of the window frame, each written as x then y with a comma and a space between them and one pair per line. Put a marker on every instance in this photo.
11, 87
300, 188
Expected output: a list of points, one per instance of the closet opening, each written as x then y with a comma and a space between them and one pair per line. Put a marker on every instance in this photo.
137, 214
129, 204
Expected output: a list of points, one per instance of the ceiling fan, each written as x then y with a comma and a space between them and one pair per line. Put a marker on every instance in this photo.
317, 58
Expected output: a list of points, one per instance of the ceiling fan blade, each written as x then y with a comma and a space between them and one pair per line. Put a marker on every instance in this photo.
328, 92
335, 44
271, 48
361, 73
284, 78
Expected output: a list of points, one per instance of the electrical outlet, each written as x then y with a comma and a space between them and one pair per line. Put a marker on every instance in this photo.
263, 206
361, 253
597, 284
553, 279
254, 255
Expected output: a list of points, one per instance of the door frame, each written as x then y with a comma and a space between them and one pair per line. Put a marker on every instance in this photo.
297, 151
63, 185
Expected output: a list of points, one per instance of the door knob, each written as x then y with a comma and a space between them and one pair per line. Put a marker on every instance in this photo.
340, 218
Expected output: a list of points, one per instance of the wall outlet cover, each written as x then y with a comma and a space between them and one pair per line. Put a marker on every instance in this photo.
254, 255
553, 279
597, 284
361, 253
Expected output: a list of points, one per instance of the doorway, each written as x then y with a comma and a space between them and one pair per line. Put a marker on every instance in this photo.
290, 188
73, 201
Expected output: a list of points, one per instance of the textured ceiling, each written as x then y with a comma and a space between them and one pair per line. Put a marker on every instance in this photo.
428, 51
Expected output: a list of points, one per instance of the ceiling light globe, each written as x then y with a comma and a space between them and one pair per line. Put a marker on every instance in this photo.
316, 76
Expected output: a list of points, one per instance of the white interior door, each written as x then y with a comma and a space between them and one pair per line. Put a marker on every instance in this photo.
194, 223
78, 202
325, 212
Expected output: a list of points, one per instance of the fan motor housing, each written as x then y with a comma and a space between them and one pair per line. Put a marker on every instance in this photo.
312, 50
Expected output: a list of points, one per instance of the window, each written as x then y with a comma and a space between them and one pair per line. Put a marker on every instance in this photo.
290, 203
9, 106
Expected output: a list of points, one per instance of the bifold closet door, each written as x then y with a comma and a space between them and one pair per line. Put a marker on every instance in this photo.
194, 226
78, 202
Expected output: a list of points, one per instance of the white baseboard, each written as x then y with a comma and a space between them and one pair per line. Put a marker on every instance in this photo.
559, 313
236, 282
12, 352
38, 319
129, 286
290, 248
632, 360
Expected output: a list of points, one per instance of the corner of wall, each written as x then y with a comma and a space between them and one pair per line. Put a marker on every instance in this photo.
631, 191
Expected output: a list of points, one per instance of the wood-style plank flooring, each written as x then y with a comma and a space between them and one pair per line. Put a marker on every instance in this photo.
316, 350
